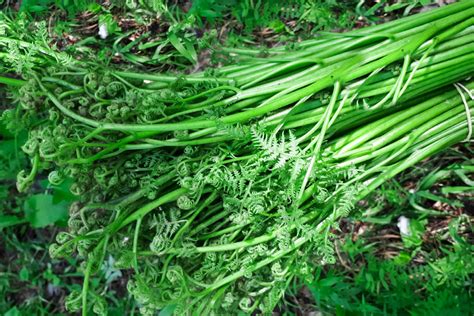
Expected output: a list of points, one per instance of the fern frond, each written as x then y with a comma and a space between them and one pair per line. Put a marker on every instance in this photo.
278, 150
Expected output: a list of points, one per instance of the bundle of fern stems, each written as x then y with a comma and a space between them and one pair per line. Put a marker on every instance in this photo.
222, 188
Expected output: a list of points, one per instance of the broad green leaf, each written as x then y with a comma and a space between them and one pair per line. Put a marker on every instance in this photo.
13, 312
60, 192
40, 210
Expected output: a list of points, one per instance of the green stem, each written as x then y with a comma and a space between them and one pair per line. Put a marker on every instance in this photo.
12, 82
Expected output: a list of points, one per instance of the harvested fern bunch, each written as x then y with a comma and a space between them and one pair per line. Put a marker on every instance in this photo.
220, 188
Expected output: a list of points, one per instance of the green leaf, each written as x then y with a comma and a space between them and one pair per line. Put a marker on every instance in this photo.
13, 312
110, 23
277, 25
395, 6
456, 190
11, 159
9, 220
436, 198
40, 210
379, 220
60, 192
50, 276
94, 7
188, 53
4, 131
417, 229
168, 310
24, 274
402, 259
4, 193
